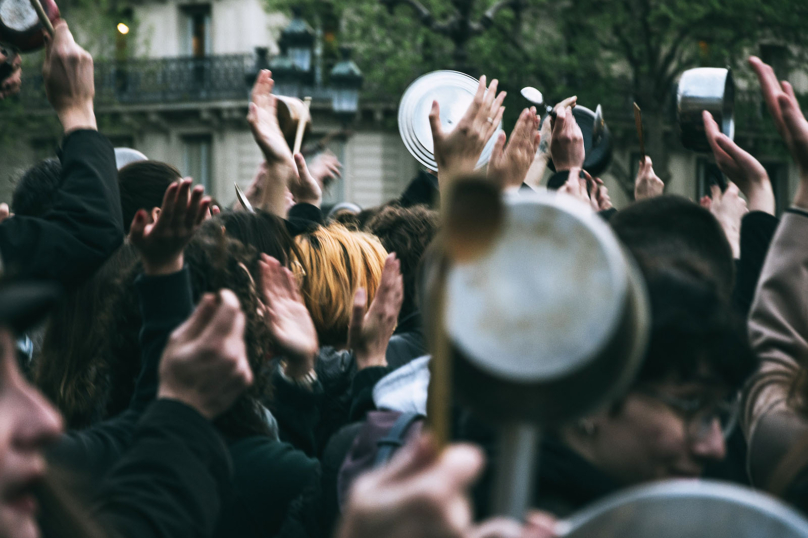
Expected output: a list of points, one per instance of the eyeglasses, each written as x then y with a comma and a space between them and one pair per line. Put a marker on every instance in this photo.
700, 414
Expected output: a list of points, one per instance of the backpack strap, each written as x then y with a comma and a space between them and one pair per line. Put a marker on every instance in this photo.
394, 438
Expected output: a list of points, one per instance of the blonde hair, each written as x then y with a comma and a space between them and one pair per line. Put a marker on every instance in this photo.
332, 263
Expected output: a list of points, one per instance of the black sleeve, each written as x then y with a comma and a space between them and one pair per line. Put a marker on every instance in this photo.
757, 232
83, 228
165, 302
171, 482
297, 410
303, 218
362, 391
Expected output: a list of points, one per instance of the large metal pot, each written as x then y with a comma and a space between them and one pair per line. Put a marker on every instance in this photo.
20, 26
546, 318
687, 508
705, 88
552, 321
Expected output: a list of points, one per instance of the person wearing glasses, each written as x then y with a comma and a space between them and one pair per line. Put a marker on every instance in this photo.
675, 418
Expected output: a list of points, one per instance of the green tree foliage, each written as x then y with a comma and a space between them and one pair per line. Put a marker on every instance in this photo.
605, 51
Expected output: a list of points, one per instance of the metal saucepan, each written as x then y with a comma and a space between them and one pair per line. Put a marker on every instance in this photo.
597, 137
705, 88
547, 319
20, 27
686, 508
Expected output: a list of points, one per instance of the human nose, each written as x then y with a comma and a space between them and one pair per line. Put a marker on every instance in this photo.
709, 442
41, 423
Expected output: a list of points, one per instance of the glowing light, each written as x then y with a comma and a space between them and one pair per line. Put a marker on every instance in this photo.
123, 28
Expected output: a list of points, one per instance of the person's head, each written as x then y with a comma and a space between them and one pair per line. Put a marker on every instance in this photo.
661, 230
332, 264
36, 190
264, 231
28, 423
672, 421
407, 232
143, 185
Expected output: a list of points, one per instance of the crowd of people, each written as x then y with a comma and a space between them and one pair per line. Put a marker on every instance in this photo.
173, 368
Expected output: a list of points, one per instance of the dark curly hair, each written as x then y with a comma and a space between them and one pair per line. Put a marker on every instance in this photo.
407, 232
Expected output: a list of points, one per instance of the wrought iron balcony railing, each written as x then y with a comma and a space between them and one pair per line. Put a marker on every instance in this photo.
170, 81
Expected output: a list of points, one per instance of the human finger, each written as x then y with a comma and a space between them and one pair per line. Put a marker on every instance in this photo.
181, 205
497, 528
434, 122
715, 190
192, 213
227, 317
490, 97
199, 319
358, 310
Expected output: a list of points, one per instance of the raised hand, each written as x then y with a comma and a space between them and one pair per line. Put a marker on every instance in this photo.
458, 151
11, 84
788, 119
287, 317
599, 194
509, 164
578, 187
263, 120
422, 492
325, 168
368, 334
160, 243
205, 364
69, 84
740, 167
304, 188
728, 208
543, 156
567, 143
647, 184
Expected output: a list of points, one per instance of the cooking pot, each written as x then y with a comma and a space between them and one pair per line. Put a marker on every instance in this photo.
20, 27
597, 140
704, 88
686, 508
545, 317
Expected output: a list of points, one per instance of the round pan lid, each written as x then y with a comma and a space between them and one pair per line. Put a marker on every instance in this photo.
454, 92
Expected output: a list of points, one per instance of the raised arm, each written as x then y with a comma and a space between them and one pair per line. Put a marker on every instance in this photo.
778, 321
85, 225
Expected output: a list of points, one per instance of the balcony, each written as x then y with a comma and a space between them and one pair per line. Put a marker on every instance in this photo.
166, 81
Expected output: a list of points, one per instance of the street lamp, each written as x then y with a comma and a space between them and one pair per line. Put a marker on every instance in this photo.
287, 75
346, 81
298, 39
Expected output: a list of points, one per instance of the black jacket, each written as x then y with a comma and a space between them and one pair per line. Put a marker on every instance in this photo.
83, 228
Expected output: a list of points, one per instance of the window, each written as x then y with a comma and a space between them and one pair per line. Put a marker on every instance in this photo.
197, 38
197, 159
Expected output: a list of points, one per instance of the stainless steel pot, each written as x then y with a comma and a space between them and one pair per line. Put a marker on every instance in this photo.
705, 88
545, 322
687, 508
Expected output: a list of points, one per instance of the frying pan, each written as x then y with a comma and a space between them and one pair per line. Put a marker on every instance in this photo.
20, 26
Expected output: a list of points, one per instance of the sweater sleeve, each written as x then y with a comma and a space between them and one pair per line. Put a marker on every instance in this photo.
778, 332
757, 232
85, 224
171, 482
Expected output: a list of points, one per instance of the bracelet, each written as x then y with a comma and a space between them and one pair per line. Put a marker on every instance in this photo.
306, 382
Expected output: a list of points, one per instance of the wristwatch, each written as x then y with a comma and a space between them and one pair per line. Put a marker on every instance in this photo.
306, 382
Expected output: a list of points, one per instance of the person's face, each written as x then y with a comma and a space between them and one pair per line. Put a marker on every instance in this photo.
650, 439
28, 423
